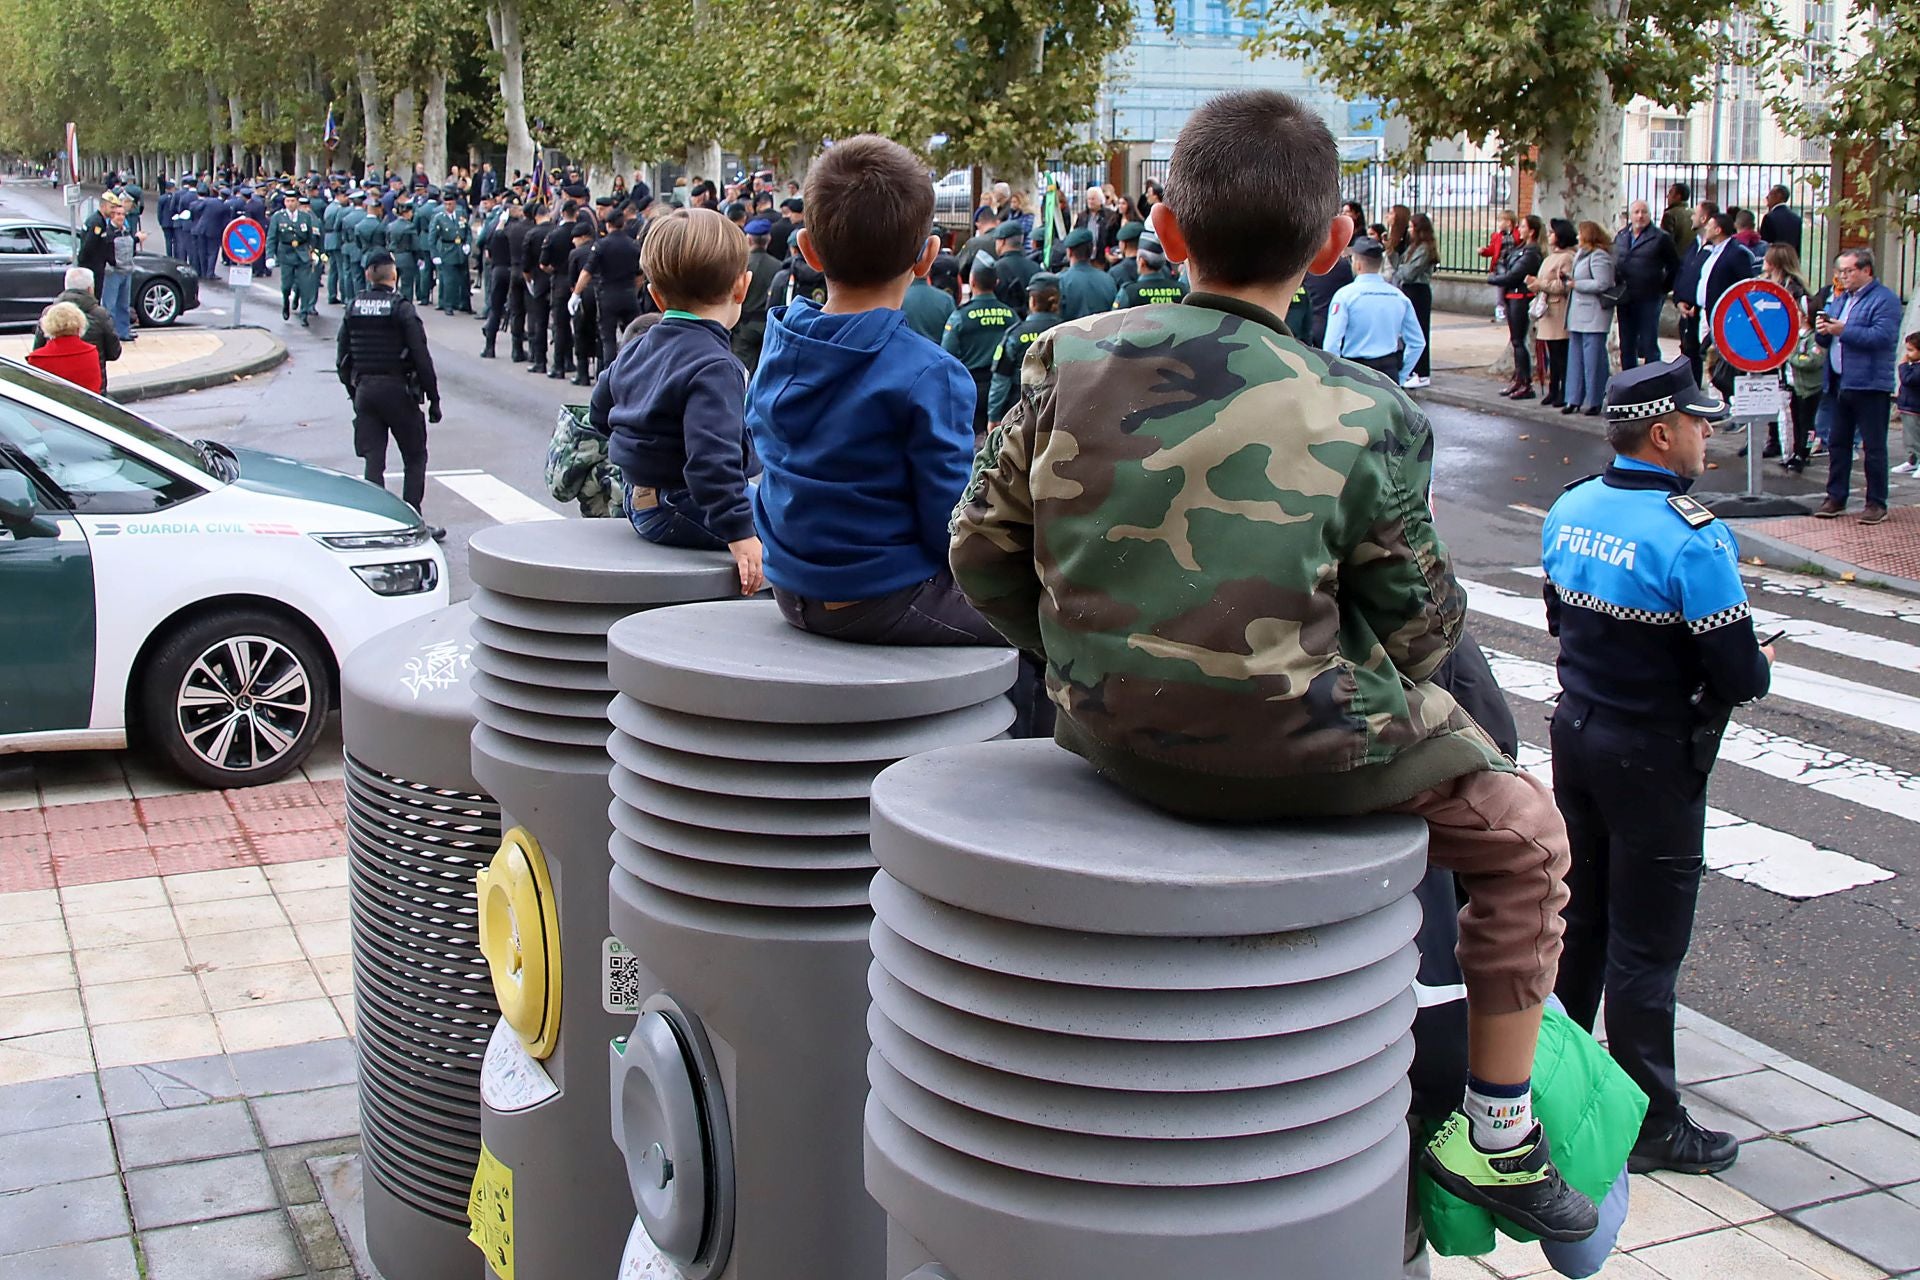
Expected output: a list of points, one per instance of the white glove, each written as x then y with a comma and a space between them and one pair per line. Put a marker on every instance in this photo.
269, 264
573, 305
436, 262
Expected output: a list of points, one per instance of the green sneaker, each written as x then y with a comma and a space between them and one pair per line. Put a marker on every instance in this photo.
1520, 1185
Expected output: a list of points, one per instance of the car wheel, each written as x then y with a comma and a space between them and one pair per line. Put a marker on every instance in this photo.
236, 698
159, 303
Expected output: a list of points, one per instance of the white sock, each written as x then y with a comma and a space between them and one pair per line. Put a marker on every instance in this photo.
1500, 1115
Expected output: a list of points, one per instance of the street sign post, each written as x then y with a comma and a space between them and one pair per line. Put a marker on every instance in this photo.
244, 243
70, 172
1755, 326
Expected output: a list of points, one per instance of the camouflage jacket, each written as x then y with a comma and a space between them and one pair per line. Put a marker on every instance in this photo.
1219, 539
578, 469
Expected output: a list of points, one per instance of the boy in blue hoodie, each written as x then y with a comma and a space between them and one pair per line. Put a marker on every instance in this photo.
679, 435
865, 427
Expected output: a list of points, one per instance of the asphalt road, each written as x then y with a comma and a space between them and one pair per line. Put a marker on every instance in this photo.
1808, 930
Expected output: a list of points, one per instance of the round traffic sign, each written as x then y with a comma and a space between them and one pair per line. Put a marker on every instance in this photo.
245, 241
1755, 325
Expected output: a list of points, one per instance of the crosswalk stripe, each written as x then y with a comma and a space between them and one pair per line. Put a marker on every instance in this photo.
1838, 594
1864, 645
1776, 861
1796, 684
1867, 783
497, 498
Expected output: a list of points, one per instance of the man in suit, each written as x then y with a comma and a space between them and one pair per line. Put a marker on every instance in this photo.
1709, 271
1780, 224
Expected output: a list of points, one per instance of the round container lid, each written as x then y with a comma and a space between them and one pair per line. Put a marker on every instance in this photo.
406, 700
595, 562
741, 661
1026, 831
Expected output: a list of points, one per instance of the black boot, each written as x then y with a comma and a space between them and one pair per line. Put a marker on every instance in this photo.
486, 352
286, 309
581, 380
1683, 1147
537, 368
520, 355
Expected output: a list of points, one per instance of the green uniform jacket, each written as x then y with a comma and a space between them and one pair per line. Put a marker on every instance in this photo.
1124, 272
1154, 287
973, 332
1085, 290
369, 237
451, 239
1219, 539
350, 220
330, 226
403, 241
927, 310
1014, 270
293, 237
1591, 1111
1007, 360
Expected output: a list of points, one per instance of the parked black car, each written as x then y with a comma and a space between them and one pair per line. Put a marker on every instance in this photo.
34, 257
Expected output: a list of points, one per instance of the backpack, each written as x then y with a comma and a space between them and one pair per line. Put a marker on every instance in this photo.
1806, 370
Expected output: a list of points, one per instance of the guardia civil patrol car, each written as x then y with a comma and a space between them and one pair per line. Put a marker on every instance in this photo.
193, 596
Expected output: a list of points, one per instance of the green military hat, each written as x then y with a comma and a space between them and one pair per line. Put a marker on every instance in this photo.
1042, 280
1078, 238
1009, 231
1130, 231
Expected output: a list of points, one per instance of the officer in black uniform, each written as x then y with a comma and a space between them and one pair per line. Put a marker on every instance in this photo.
539, 287
614, 266
584, 317
554, 253
506, 292
382, 358
1656, 649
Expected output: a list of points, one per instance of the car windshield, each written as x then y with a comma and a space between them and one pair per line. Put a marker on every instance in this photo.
151, 434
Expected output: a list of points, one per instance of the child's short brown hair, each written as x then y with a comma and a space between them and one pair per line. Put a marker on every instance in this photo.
869, 210
1255, 181
694, 256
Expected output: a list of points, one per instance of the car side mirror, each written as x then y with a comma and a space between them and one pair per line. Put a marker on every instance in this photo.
18, 514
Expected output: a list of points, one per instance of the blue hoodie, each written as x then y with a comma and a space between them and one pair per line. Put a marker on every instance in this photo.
865, 431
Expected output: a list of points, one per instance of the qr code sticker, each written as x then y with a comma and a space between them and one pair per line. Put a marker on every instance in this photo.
621, 976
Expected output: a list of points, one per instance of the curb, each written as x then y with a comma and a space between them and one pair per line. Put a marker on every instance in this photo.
201, 379
1780, 554
1768, 1056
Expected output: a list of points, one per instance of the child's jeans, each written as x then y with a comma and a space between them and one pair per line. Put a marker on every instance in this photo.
669, 518
1910, 425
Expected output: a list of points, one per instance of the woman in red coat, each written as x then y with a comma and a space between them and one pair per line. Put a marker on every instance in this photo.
67, 354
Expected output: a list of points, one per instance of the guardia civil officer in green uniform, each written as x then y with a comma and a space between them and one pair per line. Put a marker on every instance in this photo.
1128, 238
1043, 312
370, 234
973, 334
1013, 266
403, 242
330, 220
1085, 290
1155, 283
452, 242
927, 308
352, 213
426, 215
293, 242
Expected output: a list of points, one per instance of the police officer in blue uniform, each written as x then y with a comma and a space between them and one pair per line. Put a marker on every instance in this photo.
1656, 648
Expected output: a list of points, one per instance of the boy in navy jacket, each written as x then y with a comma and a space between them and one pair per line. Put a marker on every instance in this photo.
865, 427
679, 435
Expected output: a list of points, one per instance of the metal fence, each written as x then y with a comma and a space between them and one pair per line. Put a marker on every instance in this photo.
1463, 197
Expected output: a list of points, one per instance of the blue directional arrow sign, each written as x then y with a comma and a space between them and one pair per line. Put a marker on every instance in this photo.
1755, 325
245, 241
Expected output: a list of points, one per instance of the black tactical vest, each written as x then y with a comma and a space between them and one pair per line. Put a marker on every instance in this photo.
375, 336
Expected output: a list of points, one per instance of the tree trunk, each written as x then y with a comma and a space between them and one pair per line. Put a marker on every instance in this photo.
403, 131
216, 133
236, 150
1578, 175
433, 125
503, 25
369, 82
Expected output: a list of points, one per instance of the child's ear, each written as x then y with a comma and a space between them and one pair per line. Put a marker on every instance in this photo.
741, 286
807, 251
658, 301
1339, 236
1166, 229
928, 252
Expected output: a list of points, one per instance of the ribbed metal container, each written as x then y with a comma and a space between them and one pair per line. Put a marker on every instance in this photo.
546, 594
1112, 1045
743, 754
418, 828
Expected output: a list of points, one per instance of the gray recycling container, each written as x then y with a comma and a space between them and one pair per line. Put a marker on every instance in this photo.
743, 752
1109, 1044
418, 827
550, 1193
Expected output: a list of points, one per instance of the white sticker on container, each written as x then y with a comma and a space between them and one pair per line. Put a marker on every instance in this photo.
510, 1080
620, 975
643, 1260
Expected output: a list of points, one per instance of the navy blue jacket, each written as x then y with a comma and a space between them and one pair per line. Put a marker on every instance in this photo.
209, 216
679, 420
1649, 608
1909, 401
1735, 265
1870, 344
1644, 264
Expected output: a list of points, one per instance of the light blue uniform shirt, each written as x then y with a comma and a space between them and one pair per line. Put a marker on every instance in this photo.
1370, 318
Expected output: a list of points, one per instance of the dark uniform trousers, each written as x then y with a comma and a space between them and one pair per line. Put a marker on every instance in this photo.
1635, 804
499, 304
586, 333
538, 308
385, 405
561, 325
618, 307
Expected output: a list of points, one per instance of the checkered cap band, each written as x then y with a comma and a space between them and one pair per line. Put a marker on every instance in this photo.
1581, 600
1645, 409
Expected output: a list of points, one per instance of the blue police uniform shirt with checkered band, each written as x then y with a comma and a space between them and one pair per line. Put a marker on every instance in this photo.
1648, 606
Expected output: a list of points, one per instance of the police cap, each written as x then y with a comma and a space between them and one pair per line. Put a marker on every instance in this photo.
1150, 243
1130, 231
1078, 238
1655, 389
1367, 247
379, 258
1042, 280
794, 204
1009, 231
758, 227
357, 194
584, 227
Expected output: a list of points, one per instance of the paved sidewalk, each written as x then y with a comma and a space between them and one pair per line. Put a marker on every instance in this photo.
164, 362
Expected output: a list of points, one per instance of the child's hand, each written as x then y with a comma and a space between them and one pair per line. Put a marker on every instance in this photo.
746, 557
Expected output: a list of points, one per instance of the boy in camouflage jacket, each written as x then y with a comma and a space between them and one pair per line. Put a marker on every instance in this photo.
1219, 539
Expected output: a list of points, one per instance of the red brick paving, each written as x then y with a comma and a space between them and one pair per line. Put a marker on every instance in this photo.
96, 813
26, 864
69, 844
299, 846
278, 795
192, 804
306, 817
96, 868
1891, 548
208, 855
220, 826
22, 822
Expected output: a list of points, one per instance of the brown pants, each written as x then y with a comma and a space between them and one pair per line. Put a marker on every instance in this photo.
1503, 837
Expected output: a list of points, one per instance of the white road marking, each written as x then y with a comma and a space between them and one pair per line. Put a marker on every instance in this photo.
1796, 684
1867, 783
1867, 647
1756, 855
1838, 594
497, 498
457, 471
1527, 509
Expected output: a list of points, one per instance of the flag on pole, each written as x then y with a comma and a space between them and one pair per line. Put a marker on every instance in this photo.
330, 133
539, 184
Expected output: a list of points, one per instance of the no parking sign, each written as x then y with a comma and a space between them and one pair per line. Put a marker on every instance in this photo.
1755, 326
244, 241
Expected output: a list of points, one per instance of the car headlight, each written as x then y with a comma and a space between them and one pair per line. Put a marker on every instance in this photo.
380, 540
407, 578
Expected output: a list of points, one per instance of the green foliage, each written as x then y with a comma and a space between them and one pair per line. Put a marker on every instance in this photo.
1868, 109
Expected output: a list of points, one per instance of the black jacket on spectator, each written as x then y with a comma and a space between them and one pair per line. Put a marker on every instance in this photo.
1781, 225
1735, 265
1644, 263
1320, 291
1517, 262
